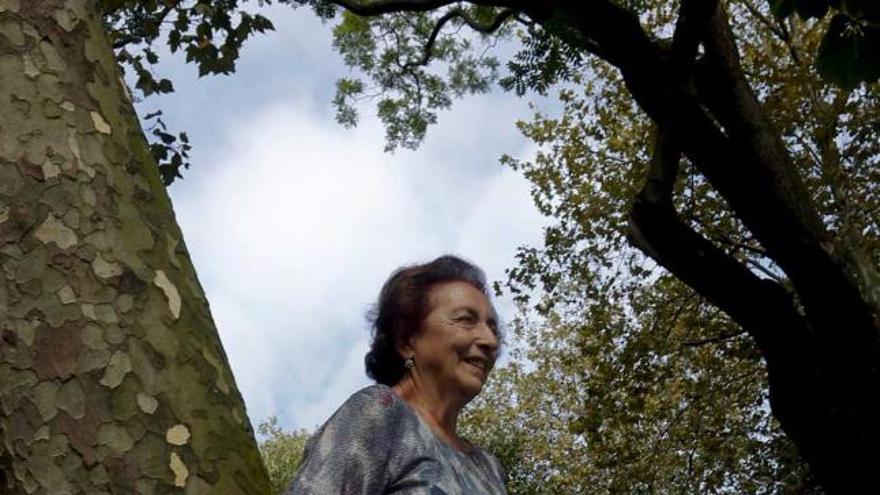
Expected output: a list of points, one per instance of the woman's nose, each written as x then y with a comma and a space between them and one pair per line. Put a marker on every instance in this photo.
489, 338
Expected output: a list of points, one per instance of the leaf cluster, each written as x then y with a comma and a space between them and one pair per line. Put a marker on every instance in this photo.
170, 152
391, 54
209, 32
282, 452
850, 49
542, 62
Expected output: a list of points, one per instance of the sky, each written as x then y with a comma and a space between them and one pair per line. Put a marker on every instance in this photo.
294, 222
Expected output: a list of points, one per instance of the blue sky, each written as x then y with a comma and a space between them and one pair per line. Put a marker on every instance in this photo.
294, 222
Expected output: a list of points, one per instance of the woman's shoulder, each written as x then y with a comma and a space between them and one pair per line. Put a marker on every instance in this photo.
374, 407
376, 398
353, 449
372, 393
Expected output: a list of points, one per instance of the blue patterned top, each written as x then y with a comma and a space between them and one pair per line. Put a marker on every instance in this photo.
375, 444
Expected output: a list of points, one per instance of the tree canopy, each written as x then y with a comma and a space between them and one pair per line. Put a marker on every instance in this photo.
651, 388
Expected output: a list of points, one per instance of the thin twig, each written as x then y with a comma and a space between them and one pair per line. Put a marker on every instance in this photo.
713, 340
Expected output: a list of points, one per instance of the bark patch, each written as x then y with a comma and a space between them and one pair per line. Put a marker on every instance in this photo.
163, 282
123, 475
101, 125
177, 435
147, 403
82, 434
53, 230
181, 473
120, 364
104, 268
57, 351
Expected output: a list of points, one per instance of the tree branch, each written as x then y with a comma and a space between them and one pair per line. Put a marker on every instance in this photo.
123, 40
693, 18
656, 229
764, 188
387, 7
374, 8
732, 102
601, 27
713, 340
742, 245
775, 27
745, 160
488, 28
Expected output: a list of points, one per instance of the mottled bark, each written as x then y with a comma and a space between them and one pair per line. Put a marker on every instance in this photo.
112, 376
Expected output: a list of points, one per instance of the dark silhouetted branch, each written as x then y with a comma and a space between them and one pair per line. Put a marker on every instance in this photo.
693, 19
486, 28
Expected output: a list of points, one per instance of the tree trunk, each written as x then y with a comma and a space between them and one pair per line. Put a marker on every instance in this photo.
112, 376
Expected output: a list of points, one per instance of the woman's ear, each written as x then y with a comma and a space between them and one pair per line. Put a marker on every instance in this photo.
404, 347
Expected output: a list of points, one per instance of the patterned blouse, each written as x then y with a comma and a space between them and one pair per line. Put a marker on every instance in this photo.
375, 444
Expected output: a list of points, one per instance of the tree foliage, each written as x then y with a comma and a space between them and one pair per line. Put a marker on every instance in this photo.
599, 404
656, 391
282, 452
392, 52
209, 32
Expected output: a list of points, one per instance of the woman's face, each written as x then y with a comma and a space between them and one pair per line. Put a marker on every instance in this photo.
456, 347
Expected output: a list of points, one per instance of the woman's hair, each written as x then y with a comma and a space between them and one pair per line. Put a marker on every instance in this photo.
402, 306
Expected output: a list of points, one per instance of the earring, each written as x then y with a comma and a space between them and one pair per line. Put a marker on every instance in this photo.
408, 363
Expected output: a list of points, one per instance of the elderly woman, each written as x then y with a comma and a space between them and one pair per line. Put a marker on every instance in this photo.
435, 341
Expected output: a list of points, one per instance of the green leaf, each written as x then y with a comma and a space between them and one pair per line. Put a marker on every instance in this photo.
261, 23
174, 40
849, 53
204, 9
164, 136
151, 56
165, 86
